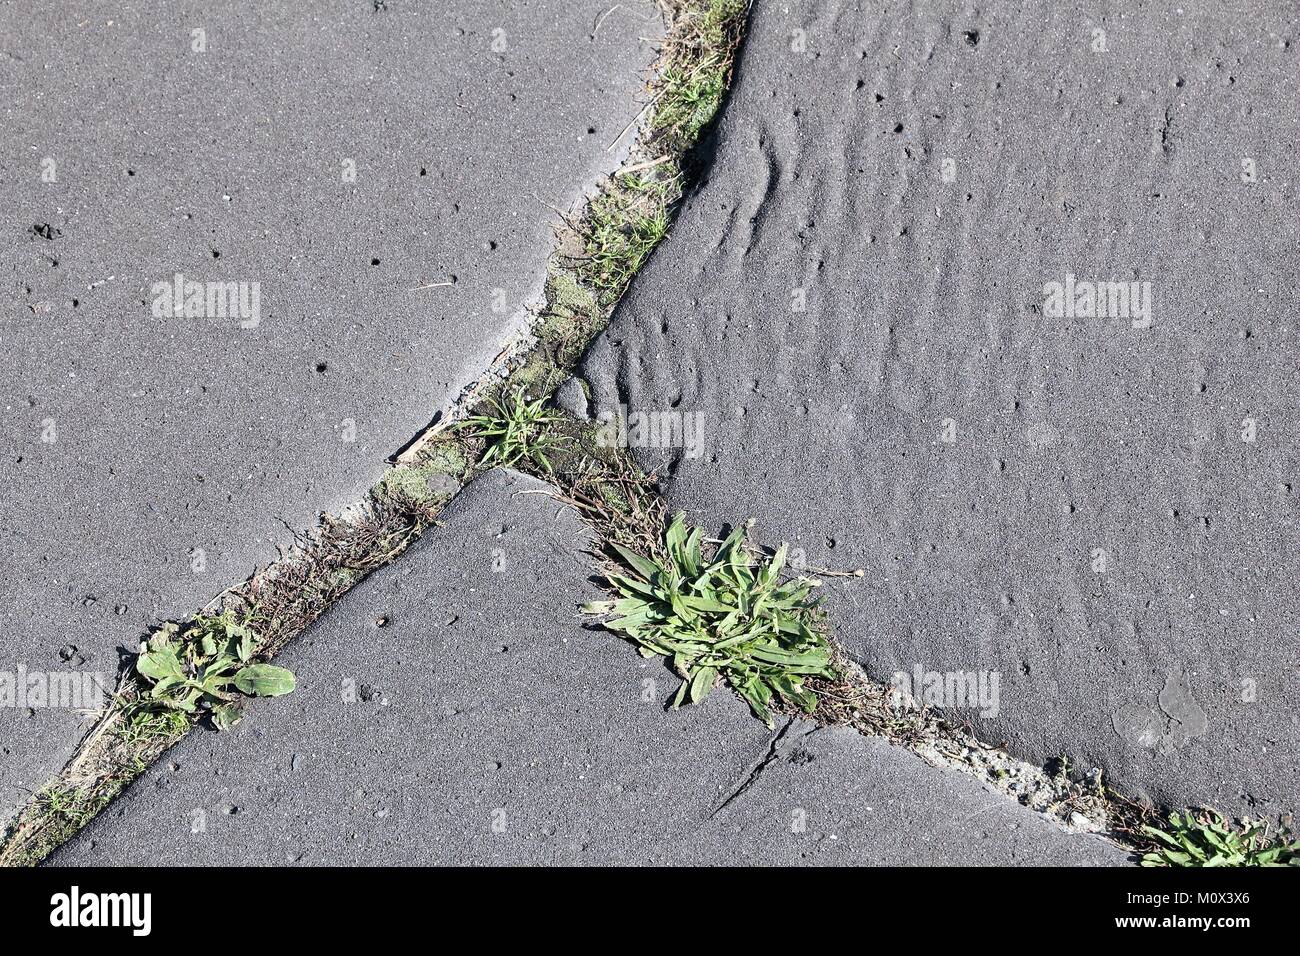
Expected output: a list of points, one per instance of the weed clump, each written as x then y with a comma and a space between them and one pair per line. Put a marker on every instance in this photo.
728, 617
517, 430
203, 664
1206, 838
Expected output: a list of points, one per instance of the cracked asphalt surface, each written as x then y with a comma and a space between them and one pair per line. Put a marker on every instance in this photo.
856, 310
482, 723
378, 186
853, 309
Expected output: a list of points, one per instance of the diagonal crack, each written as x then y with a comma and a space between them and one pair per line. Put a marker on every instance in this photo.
756, 771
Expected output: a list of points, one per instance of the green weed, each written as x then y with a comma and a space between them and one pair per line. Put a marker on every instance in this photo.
67, 804
519, 430
730, 617
196, 666
1206, 838
691, 99
144, 725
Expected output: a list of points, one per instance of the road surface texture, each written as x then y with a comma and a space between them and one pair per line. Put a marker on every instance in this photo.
878, 310
483, 723
357, 197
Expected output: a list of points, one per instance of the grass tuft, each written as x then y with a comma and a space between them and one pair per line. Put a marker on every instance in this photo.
624, 224
630, 216
516, 430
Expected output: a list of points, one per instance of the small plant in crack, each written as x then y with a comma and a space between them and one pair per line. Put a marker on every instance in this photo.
519, 430
144, 724
1206, 838
691, 99
68, 804
730, 617
201, 665
622, 227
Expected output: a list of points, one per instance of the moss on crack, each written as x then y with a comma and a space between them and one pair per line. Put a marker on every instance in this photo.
695, 79
623, 226
427, 482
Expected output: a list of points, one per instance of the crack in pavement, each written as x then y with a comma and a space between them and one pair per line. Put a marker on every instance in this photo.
773, 746
322, 565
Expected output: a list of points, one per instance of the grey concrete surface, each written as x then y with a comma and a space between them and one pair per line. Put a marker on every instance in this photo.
482, 723
831, 797
856, 305
147, 460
